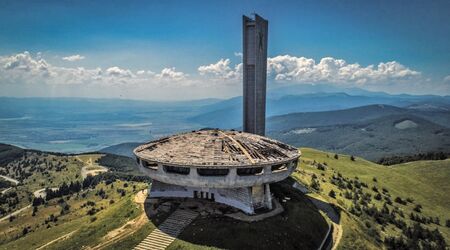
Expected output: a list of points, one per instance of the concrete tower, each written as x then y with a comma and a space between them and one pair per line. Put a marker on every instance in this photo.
255, 72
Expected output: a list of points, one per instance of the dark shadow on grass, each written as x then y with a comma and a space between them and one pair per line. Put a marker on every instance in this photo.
300, 226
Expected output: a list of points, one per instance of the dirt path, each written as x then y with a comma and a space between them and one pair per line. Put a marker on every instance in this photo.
65, 236
337, 235
6, 190
10, 179
128, 228
14, 213
91, 168
41, 192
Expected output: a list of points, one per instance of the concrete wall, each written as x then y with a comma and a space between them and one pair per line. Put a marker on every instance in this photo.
232, 180
240, 198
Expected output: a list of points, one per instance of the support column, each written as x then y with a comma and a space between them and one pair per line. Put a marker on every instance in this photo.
268, 199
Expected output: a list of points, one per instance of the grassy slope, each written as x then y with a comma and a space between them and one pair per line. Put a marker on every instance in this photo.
88, 232
424, 181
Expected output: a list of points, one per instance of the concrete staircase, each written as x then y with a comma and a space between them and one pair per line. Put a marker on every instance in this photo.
162, 237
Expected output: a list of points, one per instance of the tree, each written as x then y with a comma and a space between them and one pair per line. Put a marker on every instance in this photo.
336, 156
352, 158
418, 208
377, 196
35, 209
332, 194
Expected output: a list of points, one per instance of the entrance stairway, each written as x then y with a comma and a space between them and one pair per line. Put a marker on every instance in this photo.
162, 237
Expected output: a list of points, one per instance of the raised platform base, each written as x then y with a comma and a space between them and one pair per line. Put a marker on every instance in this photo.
247, 199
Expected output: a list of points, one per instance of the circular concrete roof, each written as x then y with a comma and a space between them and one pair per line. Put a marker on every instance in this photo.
215, 148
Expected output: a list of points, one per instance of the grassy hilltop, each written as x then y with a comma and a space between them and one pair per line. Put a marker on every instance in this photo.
379, 205
362, 188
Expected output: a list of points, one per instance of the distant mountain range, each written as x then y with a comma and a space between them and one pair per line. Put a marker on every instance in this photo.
294, 115
228, 113
372, 131
124, 149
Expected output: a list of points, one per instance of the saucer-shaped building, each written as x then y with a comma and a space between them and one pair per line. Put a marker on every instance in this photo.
229, 167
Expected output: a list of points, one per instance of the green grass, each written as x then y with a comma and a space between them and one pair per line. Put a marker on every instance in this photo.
88, 233
426, 182
300, 226
134, 239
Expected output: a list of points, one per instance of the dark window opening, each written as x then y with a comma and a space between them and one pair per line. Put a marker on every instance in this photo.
176, 170
279, 167
212, 171
249, 171
150, 165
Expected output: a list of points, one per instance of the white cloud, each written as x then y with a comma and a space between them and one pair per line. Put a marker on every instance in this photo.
73, 58
447, 78
238, 54
329, 69
221, 70
171, 74
24, 62
288, 68
118, 72
24, 68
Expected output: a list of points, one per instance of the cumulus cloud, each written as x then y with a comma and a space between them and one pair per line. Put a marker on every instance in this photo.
288, 68
25, 68
119, 72
171, 74
24, 62
221, 70
329, 69
73, 58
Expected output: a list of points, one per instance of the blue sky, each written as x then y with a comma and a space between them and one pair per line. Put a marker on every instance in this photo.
184, 35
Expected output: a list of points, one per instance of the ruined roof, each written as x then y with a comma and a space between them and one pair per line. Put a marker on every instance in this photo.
216, 148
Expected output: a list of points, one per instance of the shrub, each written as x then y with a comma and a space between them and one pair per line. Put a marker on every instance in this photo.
332, 194
377, 196
352, 158
315, 184
336, 156
348, 195
418, 208
322, 167
400, 201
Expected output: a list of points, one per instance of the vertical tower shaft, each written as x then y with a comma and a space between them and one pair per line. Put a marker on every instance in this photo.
255, 33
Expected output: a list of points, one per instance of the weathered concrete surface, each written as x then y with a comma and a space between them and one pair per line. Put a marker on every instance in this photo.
255, 33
